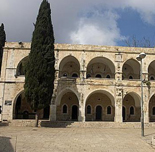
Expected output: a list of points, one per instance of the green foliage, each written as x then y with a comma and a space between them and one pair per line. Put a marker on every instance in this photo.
2, 42
39, 78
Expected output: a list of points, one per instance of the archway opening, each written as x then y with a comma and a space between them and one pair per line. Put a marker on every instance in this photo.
131, 70
67, 109
69, 67
131, 111
100, 67
152, 109
100, 106
21, 67
22, 109
151, 71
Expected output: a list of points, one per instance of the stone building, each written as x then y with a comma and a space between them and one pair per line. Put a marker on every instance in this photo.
92, 83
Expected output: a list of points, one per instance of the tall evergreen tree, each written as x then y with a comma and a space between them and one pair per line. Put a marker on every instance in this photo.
2, 42
40, 71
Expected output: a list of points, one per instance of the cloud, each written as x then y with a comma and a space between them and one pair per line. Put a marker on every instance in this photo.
99, 29
73, 20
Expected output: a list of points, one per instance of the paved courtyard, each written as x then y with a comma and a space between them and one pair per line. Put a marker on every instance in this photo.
27, 139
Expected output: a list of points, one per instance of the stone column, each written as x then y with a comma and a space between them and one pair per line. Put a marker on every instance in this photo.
81, 116
118, 105
146, 97
52, 116
82, 75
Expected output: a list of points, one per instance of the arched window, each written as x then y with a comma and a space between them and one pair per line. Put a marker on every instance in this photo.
65, 75
132, 111
130, 77
64, 109
108, 110
108, 76
98, 76
151, 78
153, 111
88, 75
88, 109
74, 75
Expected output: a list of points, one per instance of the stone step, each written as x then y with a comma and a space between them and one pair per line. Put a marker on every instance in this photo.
73, 124
3, 123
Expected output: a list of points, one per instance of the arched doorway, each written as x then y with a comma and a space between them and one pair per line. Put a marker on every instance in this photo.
74, 112
131, 70
67, 108
22, 109
46, 112
98, 113
131, 110
100, 106
152, 109
101, 67
124, 113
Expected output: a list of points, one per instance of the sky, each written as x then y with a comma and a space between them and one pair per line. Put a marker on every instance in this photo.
96, 22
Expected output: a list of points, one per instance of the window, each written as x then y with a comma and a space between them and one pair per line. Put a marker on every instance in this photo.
88, 75
65, 75
64, 109
88, 109
98, 76
130, 77
108, 110
74, 75
108, 76
151, 78
153, 111
131, 110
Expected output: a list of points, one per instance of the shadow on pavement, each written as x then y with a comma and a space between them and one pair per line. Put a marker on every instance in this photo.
5, 144
58, 124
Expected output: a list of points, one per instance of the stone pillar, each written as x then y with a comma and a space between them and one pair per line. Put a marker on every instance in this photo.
118, 105
52, 116
146, 97
82, 75
81, 116
52, 112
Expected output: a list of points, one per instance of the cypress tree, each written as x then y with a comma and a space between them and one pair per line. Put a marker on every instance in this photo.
2, 42
40, 71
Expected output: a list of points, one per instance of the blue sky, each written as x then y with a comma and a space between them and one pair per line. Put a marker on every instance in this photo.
98, 22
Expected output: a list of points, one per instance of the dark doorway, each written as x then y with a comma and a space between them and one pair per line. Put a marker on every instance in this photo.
46, 112
123, 113
74, 112
98, 113
25, 115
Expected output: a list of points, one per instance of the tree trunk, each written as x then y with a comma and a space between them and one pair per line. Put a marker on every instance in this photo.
36, 119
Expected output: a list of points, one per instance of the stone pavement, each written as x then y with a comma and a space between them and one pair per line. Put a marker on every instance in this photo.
28, 139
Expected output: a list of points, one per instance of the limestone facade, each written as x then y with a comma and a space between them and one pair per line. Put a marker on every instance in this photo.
92, 83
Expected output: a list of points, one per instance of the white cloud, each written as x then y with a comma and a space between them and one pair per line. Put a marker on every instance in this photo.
99, 29
71, 21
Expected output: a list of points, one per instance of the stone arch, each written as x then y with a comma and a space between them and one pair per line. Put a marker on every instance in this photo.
21, 66
22, 107
68, 97
102, 66
131, 69
132, 99
65, 90
151, 71
103, 99
151, 105
68, 66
